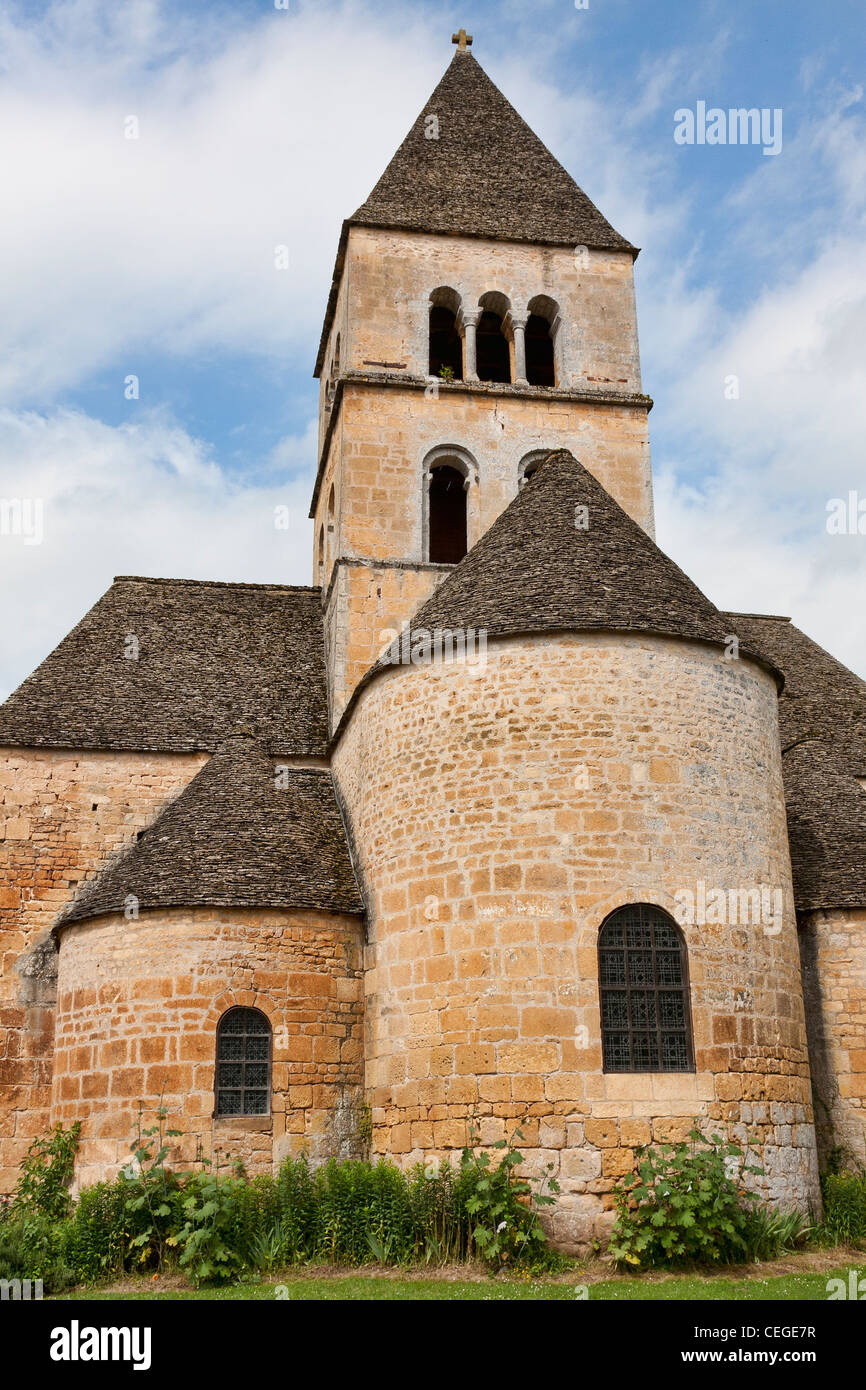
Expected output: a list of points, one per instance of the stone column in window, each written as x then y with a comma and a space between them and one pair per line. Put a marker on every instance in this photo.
468, 321
518, 325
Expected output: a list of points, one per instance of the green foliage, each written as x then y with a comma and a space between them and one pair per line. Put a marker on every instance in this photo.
446, 373
96, 1239
153, 1194
768, 1233
216, 1226
208, 1241
682, 1205
844, 1195
46, 1172
503, 1206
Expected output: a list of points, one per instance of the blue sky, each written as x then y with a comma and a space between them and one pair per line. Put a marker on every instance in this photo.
259, 127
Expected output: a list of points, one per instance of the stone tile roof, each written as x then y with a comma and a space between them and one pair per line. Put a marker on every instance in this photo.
538, 570
487, 175
211, 658
822, 720
821, 698
826, 827
237, 836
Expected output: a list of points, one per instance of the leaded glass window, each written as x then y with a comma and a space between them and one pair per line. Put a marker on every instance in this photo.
243, 1066
643, 982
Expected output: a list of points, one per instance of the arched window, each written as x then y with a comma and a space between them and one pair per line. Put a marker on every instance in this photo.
644, 989
243, 1066
492, 354
529, 466
446, 344
446, 515
542, 327
321, 557
539, 352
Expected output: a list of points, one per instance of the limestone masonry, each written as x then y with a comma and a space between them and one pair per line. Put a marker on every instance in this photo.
501, 821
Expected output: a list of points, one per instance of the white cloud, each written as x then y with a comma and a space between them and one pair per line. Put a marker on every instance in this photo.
256, 132
138, 499
250, 137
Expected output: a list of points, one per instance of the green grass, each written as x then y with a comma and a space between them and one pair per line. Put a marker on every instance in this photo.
782, 1288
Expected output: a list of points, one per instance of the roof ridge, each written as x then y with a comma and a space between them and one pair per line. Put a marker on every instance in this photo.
216, 583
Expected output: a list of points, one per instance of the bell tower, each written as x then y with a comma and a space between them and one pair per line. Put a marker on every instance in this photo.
481, 313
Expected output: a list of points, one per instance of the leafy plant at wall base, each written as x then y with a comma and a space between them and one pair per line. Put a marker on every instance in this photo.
153, 1190
682, 1204
46, 1172
505, 1206
844, 1197
205, 1240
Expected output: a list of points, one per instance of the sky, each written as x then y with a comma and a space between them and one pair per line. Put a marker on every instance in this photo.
156, 388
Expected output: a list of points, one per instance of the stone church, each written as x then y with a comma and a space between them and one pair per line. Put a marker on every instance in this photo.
499, 821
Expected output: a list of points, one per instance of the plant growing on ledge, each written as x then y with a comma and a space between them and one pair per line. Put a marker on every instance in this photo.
446, 373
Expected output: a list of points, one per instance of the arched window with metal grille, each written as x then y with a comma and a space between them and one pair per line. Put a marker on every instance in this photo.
644, 989
243, 1063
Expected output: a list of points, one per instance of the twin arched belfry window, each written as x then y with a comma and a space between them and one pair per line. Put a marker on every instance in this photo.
492, 341
643, 984
243, 1063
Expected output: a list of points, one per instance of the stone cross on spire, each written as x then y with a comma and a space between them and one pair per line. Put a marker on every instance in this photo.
462, 40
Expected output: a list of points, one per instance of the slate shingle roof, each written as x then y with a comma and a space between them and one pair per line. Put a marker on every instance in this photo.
821, 697
826, 827
212, 657
487, 175
822, 720
536, 570
234, 838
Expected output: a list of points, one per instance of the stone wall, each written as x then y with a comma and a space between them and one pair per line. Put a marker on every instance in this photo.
389, 276
833, 947
138, 1004
500, 813
62, 815
366, 605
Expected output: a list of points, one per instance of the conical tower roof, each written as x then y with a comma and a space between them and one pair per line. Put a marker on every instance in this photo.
478, 171
245, 832
565, 557
471, 166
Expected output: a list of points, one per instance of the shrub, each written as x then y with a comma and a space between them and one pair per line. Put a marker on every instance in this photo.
506, 1229
844, 1197
31, 1247
46, 1172
214, 1226
96, 1239
683, 1204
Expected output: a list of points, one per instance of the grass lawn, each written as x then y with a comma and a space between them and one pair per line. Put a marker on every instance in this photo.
807, 1284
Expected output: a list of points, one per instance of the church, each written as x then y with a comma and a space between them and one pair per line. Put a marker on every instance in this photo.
501, 821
